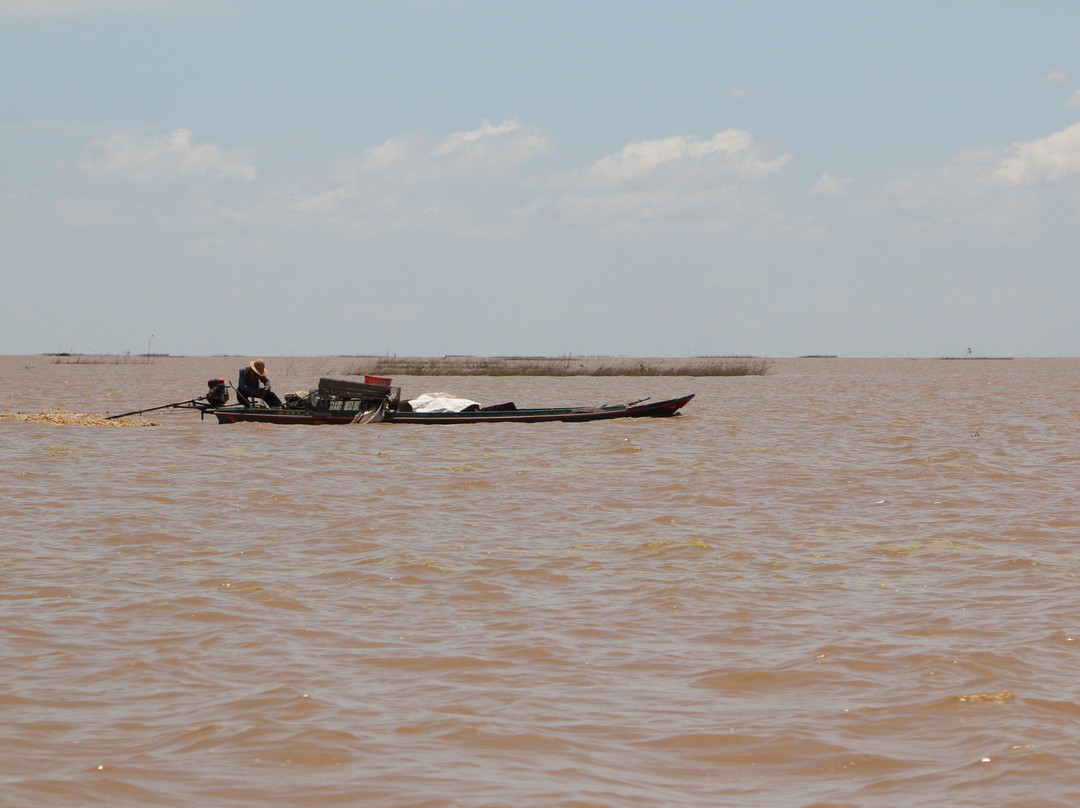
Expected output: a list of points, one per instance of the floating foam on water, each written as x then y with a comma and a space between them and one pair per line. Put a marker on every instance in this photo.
58, 415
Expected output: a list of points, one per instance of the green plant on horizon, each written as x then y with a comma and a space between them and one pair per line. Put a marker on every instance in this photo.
126, 358
97, 359
556, 366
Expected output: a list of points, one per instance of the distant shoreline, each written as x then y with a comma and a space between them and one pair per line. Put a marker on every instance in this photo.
560, 366
476, 365
467, 365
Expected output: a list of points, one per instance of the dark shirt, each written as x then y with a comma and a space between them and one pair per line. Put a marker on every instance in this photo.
251, 384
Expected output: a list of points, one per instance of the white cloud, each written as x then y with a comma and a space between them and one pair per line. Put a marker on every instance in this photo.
1048, 160
491, 149
1075, 101
1056, 76
828, 186
461, 182
485, 153
682, 161
973, 173
130, 157
678, 184
671, 183
398, 154
468, 181
1011, 194
325, 202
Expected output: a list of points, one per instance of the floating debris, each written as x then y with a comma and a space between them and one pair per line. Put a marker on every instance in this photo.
58, 415
1000, 697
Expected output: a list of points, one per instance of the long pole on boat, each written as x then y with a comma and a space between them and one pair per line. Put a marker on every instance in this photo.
151, 409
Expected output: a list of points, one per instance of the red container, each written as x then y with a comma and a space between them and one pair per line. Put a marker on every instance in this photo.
379, 381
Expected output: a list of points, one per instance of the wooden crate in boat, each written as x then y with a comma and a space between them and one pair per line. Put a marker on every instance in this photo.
340, 388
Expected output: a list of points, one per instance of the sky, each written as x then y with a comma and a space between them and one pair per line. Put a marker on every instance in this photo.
580, 177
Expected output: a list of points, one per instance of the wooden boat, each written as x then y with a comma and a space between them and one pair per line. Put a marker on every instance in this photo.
346, 402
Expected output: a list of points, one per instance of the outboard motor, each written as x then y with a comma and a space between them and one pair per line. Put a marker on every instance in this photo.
218, 393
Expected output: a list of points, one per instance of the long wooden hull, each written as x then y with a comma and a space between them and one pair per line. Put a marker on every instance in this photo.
658, 409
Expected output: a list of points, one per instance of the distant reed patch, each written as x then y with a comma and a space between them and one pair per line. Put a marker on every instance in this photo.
126, 358
560, 366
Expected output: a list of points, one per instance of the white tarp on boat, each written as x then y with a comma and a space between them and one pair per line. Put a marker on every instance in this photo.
440, 402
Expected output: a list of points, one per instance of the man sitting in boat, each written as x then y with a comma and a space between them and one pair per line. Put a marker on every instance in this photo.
254, 383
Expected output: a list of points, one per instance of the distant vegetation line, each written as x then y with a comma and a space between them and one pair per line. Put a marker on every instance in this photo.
126, 358
499, 365
561, 366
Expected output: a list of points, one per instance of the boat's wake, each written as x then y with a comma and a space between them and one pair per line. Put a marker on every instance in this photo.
58, 415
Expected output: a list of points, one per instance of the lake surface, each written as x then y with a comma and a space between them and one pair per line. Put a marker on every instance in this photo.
849, 582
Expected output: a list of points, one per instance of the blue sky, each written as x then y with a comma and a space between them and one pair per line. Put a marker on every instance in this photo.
488, 177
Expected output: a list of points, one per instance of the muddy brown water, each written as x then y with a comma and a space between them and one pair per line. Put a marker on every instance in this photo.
847, 583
